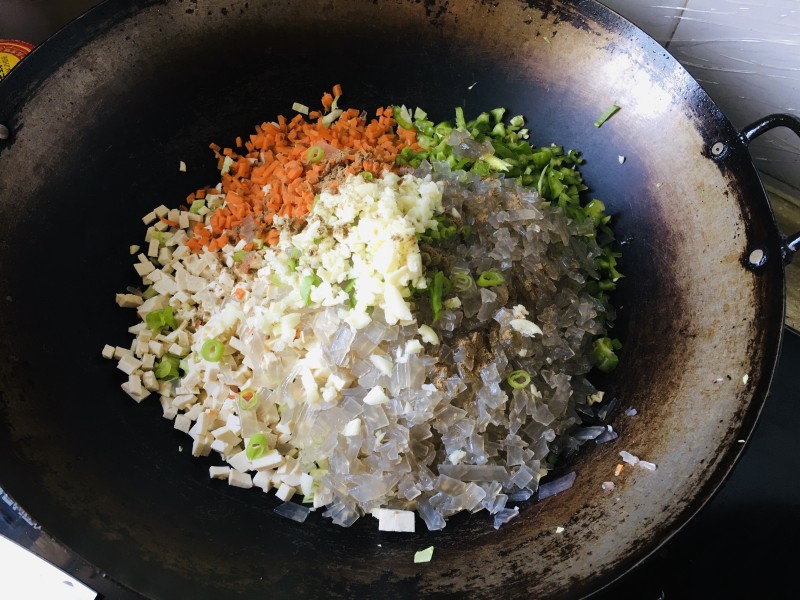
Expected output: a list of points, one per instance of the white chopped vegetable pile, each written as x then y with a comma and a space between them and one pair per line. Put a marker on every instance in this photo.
317, 369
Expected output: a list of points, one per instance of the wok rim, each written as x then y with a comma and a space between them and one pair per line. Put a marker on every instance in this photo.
30, 74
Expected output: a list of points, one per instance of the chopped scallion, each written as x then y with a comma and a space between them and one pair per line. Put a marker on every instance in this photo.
248, 399
256, 446
294, 255
437, 289
157, 320
167, 367
606, 115
490, 279
212, 350
329, 119
315, 154
301, 108
519, 379
350, 289
461, 282
306, 283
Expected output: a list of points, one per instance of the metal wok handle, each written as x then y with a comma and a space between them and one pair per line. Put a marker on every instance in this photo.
792, 243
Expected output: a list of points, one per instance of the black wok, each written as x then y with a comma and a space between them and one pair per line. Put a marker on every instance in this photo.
98, 119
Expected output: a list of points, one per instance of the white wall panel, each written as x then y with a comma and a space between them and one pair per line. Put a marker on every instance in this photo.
745, 54
659, 22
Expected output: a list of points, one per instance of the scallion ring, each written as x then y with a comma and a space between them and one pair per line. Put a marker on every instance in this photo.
248, 399
490, 279
212, 350
519, 379
256, 446
315, 154
461, 282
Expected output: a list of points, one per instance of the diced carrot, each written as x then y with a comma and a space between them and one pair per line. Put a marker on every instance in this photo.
280, 152
293, 170
273, 236
243, 168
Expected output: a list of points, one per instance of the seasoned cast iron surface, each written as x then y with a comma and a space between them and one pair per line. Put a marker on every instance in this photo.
714, 555
101, 116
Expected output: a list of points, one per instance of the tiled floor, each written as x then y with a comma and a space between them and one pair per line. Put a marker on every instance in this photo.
787, 213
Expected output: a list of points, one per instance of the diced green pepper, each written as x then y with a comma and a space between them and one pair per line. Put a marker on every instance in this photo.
603, 350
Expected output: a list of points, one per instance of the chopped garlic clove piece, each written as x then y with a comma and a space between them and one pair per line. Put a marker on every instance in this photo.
525, 327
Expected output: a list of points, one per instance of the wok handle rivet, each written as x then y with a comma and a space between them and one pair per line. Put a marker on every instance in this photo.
5, 133
757, 257
718, 148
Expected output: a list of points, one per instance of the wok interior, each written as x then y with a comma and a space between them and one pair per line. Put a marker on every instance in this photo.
97, 143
